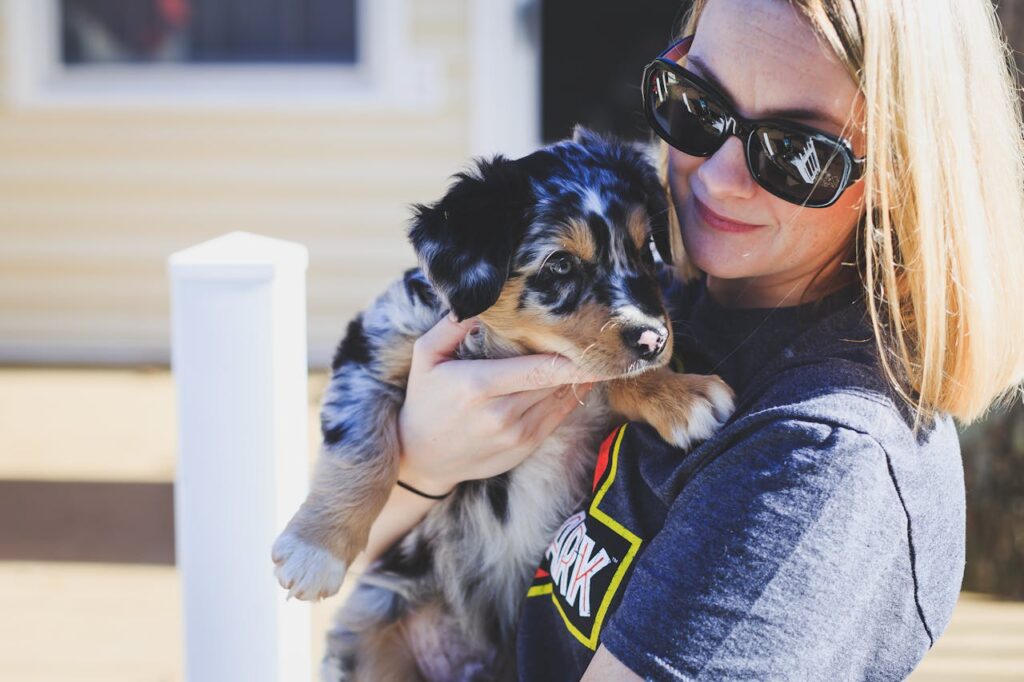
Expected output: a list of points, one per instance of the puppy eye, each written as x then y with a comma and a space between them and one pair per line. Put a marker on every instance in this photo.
559, 264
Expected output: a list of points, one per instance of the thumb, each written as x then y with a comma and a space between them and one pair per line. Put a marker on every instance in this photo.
440, 341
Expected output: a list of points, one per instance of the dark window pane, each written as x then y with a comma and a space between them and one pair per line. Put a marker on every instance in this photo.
594, 53
208, 31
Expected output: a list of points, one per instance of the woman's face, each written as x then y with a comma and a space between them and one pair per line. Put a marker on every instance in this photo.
767, 59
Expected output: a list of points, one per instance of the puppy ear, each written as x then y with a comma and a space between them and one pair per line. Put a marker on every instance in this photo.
465, 241
656, 202
586, 137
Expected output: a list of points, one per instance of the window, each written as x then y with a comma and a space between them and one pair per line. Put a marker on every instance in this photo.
585, 82
208, 31
350, 54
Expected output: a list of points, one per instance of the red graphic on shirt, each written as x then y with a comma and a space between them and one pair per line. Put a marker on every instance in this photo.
602, 459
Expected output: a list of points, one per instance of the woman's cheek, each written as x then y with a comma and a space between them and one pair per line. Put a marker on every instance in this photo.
716, 254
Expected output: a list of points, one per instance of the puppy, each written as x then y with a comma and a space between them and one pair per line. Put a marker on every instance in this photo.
553, 253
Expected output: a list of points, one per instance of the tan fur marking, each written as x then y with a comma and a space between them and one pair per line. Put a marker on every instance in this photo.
589, 337
578, 240
395, 360
528, 328
636, 225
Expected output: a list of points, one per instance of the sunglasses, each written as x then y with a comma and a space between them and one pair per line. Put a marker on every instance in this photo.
794, 162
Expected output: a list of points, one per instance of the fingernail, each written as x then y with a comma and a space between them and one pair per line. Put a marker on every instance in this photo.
452, 317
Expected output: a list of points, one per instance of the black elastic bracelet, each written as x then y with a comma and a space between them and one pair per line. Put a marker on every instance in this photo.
421, 493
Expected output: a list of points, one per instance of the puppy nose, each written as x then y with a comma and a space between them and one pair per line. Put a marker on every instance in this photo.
646, 341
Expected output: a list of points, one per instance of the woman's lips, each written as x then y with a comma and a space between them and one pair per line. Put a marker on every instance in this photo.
717, 222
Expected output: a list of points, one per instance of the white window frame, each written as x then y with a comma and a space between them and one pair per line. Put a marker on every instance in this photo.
388, 72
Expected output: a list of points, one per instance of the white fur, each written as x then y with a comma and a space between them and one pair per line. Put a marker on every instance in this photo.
632, 314
705, 418
592, 202
308, 572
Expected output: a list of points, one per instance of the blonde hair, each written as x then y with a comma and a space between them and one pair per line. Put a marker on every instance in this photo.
940, 247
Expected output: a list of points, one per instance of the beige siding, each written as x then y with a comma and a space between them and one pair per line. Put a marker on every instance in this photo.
92, 202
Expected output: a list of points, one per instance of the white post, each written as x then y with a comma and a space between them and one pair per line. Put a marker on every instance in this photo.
239, 360
504, 102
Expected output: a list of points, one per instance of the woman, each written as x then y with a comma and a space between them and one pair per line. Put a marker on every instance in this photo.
853, 307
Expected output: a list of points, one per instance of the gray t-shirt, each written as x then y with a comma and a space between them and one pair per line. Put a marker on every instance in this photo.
813, 538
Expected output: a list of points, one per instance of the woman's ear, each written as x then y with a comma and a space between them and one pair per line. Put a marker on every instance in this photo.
465, 241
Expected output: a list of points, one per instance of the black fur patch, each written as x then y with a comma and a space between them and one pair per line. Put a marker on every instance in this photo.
601, 292
354, 348
616, 213
601, 233
414, 563
333, 433
417, 288
644, 292
560, 294
571, 296
656, 203
496, 489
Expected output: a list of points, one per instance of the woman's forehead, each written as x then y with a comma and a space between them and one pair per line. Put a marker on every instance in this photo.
769, 60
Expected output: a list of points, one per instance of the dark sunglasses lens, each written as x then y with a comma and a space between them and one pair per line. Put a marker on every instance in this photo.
799, 167
683, 113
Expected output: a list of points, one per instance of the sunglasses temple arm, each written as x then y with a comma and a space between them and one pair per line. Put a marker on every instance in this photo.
678, 49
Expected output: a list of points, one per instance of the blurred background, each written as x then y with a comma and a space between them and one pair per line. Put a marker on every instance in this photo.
131, 129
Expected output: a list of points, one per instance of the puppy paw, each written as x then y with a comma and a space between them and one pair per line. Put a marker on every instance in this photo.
308, 571
702, 404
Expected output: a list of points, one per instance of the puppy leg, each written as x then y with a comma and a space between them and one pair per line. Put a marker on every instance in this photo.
352, 480
684, 408
358, 463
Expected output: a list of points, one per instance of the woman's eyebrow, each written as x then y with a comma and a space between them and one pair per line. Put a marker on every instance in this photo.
795, 113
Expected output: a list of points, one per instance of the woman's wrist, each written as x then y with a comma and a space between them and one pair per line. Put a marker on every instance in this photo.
425, 484
417, 491
421, 484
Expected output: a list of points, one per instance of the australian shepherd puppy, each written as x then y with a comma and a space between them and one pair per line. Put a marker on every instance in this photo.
553, 253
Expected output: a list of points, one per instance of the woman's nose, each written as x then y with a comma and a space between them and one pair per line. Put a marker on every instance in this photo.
725, 173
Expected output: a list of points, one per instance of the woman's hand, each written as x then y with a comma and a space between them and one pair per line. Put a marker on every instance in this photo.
471, 419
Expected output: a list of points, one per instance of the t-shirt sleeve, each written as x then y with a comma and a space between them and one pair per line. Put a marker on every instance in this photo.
767, 561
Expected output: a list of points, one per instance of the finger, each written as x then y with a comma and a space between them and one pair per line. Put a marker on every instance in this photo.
538, 423
518, 403
546, 415
531, 372
440, 341
524, 400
